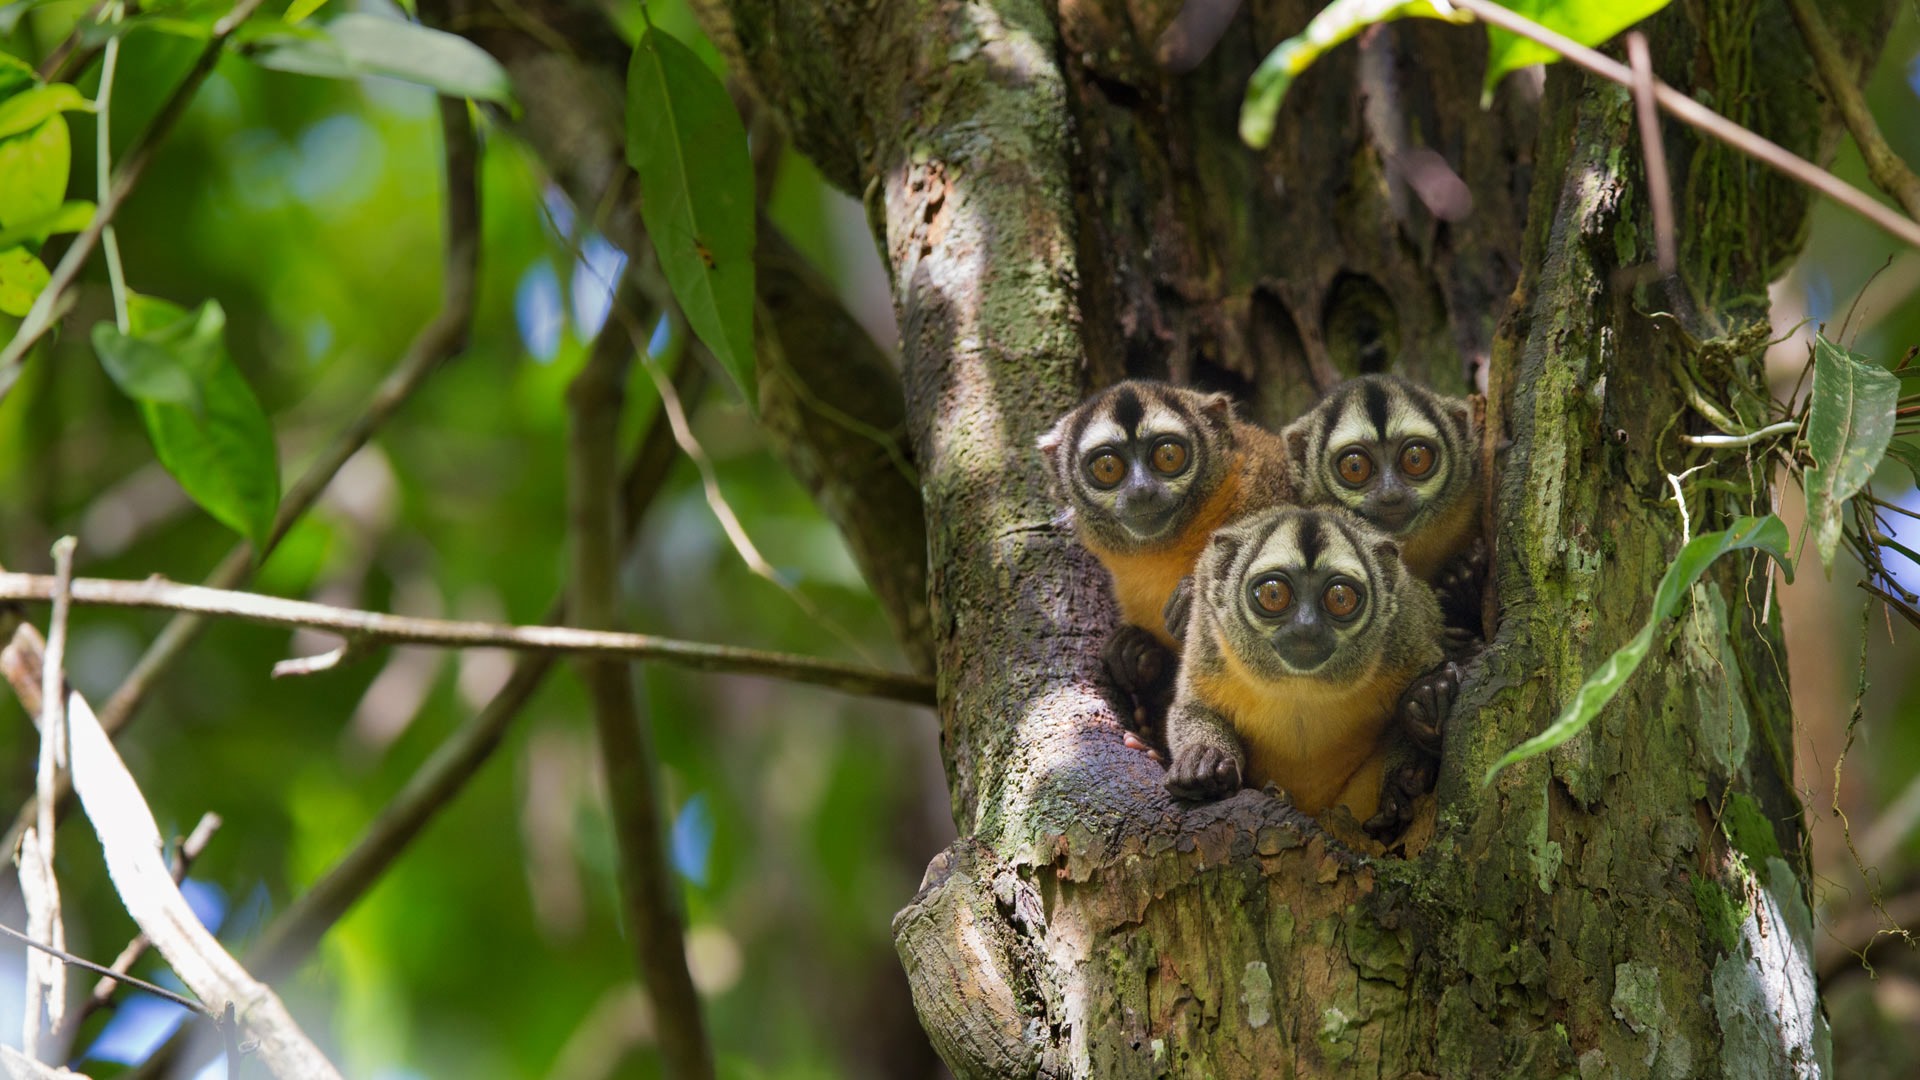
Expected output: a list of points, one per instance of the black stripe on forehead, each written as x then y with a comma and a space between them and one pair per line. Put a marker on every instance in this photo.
1423, 403
1312, 540
1128, 410
1373, 397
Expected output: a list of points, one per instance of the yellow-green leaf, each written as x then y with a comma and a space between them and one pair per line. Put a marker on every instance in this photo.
33, 171
1584, 21
298, 11
26, 110
67, 217
687, 144
22, 276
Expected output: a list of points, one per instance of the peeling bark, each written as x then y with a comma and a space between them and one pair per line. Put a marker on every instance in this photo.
1058, 209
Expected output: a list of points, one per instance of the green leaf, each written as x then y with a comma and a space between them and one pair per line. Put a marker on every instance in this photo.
1337, 22
67, 217
1584, 21
298, 11
15, 74
1906, 454
33, 171
358, 45
1768, 534
224, 455
22, 276
26, 110
167, 365
685, 141
1849, 424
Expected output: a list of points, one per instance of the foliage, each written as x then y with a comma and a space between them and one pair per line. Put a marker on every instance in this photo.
1849, 425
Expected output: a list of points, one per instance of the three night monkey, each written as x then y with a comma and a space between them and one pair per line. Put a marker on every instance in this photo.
1306, 625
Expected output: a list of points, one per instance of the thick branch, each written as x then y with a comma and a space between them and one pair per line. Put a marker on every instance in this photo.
1889, 173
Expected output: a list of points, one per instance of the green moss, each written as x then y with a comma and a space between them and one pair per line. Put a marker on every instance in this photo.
1749, 830
1721, 915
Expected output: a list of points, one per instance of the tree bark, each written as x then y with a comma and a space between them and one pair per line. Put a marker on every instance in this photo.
1059, 207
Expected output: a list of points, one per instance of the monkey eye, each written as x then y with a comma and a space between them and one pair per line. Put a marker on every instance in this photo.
1354, 467
1341, 599
1106, 469
1417, 459
1272, 595
1169, 457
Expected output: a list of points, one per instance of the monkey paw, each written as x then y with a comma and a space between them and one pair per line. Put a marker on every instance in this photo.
1140, 670
1425, 705
1460, 584
1402, 785
1204, 772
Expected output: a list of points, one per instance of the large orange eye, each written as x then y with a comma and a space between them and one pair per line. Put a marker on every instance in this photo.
1417, 460
1169, 457
1272, 595
1106, 469
1355, 467
1341, 600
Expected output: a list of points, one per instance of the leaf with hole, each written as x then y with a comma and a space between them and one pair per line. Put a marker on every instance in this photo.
222, 453
686, 142
1768, 534
1582, 20
1849, 425
1336, 23
355, 45
33, 171
22, 276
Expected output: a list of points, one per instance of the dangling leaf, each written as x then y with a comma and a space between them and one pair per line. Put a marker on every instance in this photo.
220, 448
1582, 20
686, 142
1849, 424
1768, 534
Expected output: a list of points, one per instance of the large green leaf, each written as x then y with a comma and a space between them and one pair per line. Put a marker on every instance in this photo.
1337, 22
22, 276
33, 171
169, 364
357, 45
67, 217
1849, 423
26, 110
222, 451
685, 141
1584, 21
1768, 534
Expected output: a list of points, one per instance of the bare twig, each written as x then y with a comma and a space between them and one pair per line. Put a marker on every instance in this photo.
1748, 439
66, 957
1699, 116
1884, 167
444, 336
40, 317
161, 594
130, 844
1654, 151
47, 980
647, 889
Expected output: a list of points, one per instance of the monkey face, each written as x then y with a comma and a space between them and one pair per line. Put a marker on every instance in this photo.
1137, 462
1392, 452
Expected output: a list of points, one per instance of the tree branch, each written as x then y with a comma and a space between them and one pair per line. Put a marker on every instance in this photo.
41, 316
375, 626
1888, 172
648, 886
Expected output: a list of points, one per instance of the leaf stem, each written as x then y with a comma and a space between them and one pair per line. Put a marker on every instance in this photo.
1748, 439
103, 170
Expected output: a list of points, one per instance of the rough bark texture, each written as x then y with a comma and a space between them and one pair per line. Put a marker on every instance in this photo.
1057, 208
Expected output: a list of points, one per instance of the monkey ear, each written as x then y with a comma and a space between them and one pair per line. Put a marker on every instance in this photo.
1297, 449
1049, 441
1219, 408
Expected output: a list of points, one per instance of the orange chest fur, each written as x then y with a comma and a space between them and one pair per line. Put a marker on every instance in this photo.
1302, 734
1142, 580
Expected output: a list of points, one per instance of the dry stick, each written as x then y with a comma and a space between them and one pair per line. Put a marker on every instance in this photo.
1884, 167
47, 980
437, 341
378, 626
40, 317
1654, 150
647, 885
289, 938
1699, 116
82, 962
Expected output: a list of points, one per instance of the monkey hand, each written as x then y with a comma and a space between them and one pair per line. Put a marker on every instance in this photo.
1140, 669
1425, 705
1402, 784
1204, 772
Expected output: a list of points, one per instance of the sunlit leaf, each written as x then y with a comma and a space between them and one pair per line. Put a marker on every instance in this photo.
33, 171
223, 453
1337, 22
298, 11
1582, 20
1849, 423
26, 110
67, 217
1768, 534
22, 276
358, 45
686, 142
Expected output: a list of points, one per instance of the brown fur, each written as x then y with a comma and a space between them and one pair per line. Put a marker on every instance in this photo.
1428, 550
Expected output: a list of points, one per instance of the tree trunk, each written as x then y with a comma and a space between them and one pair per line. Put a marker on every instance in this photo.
1058, 208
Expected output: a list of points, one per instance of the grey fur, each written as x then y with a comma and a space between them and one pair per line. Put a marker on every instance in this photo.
1314, 449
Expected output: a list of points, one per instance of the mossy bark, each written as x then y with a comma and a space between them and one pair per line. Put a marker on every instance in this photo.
1058, 207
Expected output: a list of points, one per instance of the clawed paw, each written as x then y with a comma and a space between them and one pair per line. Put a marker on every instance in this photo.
1399, 790
1206, 772
1140, 669
1425, 705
